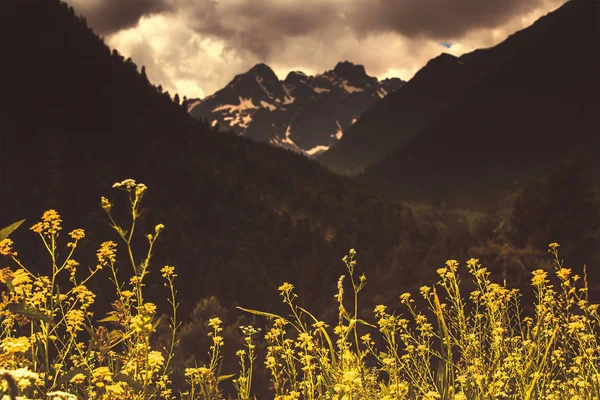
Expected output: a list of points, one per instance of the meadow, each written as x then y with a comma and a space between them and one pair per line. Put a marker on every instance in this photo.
461, 346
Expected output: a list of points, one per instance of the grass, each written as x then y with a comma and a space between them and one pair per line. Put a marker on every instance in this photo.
476, 346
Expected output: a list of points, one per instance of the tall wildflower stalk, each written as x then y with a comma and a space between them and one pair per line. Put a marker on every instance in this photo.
54, 356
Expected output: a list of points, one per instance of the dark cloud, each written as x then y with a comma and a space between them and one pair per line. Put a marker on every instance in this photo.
197, 46
260, 26
436, 19
110, 16
257, 26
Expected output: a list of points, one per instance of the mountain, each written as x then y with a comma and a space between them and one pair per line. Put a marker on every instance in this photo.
307, 114
241, 217
512, 107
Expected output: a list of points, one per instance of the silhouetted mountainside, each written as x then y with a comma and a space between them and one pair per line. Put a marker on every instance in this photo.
241, 217
514, 106
306, 114
537, 107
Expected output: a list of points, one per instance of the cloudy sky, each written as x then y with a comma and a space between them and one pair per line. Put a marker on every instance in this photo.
195, 47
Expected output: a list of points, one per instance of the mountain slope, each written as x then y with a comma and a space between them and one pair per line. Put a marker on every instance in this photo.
303, 113
537, 106
241, 217
446, 80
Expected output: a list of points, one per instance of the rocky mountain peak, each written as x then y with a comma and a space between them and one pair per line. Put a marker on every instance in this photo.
295, 77
307, 114
264, 71
348, 70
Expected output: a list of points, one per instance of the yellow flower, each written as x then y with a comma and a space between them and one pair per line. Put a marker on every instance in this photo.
553, 245
366, 338
77, 378
20, 277
6, 247
77, 234
218, 340
84, 295
105, 204
49, 225
15, 345
539, 277
452, 264
74, 320
563, 273
101, 374
404, 297
214, 322
106, 253
155, 360
379, 309
126, 184
167, 271
286, 288
158, 228
71, 265
473, 262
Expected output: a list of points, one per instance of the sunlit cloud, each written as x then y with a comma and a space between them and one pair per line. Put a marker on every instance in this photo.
195, 47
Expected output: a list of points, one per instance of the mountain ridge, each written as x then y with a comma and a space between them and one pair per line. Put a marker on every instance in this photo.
306, 114
403, 116
515, 121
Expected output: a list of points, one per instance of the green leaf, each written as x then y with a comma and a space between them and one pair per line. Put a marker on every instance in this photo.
224, 377
363, 322
31, 313
350, 327
4, 232
261, 313
110, 318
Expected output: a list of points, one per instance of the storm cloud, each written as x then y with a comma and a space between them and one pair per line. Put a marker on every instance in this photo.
110, 16
195, 47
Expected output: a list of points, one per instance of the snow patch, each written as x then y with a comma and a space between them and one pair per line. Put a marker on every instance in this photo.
245, 104
214, 123
287, 143
246, 120
317, 149
351, 89
288, 99
259, 80
268, 105
382, 93
288, 133
321, 90
339, 133
194, 104
354, 120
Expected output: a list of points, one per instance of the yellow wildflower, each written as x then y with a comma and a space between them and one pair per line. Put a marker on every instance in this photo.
167, 271
74, 320
105, 204
77, 234
404, 297
15, 345
6, 247
106, 253
286, 288
77, 378
214, 322
49, 225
